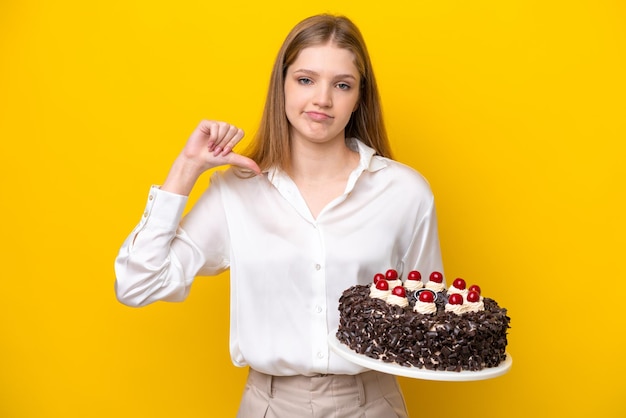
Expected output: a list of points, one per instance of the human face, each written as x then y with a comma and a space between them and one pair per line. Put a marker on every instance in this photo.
321, 92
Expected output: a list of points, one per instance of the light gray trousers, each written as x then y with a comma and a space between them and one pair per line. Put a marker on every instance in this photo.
367, 395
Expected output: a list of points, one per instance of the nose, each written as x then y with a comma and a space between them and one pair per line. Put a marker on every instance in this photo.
323, 96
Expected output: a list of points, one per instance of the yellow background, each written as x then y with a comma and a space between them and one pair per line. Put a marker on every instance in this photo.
514, 110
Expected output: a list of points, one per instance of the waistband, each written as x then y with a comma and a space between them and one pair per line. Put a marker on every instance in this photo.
370, 385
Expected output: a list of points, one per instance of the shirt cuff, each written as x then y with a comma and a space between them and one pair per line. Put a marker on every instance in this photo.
164, 208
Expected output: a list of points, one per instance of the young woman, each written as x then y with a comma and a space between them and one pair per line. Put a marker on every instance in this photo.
315, 207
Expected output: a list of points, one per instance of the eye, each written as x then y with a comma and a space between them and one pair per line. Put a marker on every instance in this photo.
305, 81
344, 86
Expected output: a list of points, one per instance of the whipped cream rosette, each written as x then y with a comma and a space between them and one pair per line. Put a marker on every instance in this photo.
425, 303
458, 286
398, 297
455, 304
474, 302
413, 281
380, 290
392, 277
435, 282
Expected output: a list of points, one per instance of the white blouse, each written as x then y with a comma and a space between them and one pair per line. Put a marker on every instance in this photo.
287, 269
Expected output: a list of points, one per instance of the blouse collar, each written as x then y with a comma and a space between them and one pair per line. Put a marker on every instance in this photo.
368, 161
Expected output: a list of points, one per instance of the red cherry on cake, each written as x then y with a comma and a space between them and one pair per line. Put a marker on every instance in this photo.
414, 275
427, 297
382, 285
459, 283
378, 277
455, 299
474, 288
391, 274
473, 296
436, 277
399, 291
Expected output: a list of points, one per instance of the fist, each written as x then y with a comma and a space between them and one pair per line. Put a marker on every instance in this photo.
211, 145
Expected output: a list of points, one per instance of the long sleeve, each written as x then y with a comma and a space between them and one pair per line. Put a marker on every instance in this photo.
424, 252
157, 261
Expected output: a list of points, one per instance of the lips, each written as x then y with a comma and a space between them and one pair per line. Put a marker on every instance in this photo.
318, 116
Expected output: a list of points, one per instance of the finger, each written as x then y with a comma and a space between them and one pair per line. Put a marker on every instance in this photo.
220, 130
238, 135
210, 129
228, 137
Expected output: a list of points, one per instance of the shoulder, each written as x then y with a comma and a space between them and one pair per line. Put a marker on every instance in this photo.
384, 169
402, 175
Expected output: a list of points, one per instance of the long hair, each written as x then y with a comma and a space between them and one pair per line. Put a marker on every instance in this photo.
271, 145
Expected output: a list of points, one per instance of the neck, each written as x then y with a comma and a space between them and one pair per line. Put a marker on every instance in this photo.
322, 162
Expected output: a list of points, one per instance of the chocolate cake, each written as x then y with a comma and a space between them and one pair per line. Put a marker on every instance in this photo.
449, 339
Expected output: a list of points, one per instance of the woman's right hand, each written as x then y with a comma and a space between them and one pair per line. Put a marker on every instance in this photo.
210, 145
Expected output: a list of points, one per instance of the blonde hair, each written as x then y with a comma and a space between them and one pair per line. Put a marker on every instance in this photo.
271, 144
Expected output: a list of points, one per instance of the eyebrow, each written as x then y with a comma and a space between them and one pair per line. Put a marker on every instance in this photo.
311, 72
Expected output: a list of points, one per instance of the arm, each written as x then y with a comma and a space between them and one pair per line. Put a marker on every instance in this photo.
424, 253
159, 260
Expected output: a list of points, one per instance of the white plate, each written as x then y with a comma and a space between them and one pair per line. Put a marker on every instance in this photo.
414, 372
